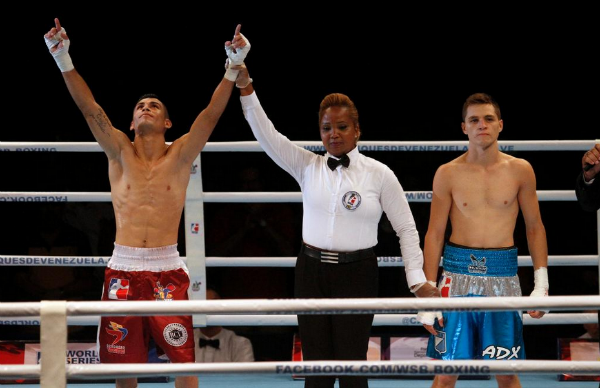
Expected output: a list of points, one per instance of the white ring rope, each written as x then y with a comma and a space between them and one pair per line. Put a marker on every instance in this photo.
312, 306
316, 368
292, 320
254, 146
383, 261
85, 311
230, 197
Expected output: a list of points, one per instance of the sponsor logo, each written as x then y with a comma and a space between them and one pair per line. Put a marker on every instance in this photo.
501, 353
118, 289
164, 294
119, 332
196, 286
54, 260
440, 342
446, 286
175, 334
382, 369
477, 265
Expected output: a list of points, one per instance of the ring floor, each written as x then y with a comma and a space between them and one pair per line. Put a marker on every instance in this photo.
273, 381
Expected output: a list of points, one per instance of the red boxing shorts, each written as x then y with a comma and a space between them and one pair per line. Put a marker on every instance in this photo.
145, 274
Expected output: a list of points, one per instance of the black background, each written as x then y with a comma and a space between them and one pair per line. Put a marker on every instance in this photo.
408, 71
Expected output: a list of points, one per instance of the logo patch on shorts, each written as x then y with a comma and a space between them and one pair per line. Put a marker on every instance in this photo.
119, 332
446, 286
440, 342
351, 200
118, 289
164, 294
478, 265
175, 334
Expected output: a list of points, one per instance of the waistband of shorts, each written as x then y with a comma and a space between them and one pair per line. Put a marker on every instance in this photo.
125, 258
337, 257
480, 261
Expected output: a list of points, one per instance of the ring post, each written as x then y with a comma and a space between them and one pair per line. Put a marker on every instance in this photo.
53, 333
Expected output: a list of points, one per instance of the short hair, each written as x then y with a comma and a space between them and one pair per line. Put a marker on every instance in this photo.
152, 95
340, 100
480, 99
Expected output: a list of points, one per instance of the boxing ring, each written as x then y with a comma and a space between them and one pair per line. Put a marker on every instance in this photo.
53, 317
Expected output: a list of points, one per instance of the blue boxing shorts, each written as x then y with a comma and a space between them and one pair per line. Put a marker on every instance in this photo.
497, 335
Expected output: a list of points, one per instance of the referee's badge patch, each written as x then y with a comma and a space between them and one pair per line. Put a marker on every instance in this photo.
351, 200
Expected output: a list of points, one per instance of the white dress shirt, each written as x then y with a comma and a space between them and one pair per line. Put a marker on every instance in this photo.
342, 208
232, 348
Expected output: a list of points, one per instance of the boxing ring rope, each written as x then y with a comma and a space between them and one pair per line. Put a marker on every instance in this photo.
228, 197
56, 371
310, 306
292, 320
254, 146
53, 373
313, 368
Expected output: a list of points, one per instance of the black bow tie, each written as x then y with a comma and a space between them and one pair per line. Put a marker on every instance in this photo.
333, 163
214, 343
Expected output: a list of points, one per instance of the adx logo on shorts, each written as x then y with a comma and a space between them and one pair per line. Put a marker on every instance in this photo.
501, 353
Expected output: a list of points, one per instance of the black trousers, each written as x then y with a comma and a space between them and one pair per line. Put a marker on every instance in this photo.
340, 336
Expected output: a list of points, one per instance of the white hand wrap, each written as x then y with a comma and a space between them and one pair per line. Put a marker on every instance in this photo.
540, 279
428, 317
237, 58
61, 55
231, 74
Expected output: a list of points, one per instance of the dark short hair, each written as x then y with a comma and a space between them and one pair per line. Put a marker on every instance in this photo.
480, 99
152, 95
338, 100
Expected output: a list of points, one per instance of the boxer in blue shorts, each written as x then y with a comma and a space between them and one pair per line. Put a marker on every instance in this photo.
482, 193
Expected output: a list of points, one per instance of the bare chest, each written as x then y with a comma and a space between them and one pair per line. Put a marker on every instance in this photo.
475, 191
161, 179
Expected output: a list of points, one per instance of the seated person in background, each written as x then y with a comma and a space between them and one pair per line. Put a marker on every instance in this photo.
215, 344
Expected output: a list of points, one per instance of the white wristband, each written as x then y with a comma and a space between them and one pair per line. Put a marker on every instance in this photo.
540, 279
231, 74
541, 285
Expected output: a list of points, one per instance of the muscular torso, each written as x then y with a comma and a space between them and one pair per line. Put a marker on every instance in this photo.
485, 205
148, 198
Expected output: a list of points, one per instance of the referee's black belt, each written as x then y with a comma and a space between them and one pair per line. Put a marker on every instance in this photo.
337, 257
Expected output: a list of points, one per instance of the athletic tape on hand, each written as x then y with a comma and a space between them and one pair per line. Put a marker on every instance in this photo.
237, 58
540, 279
61, 54
428, 317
